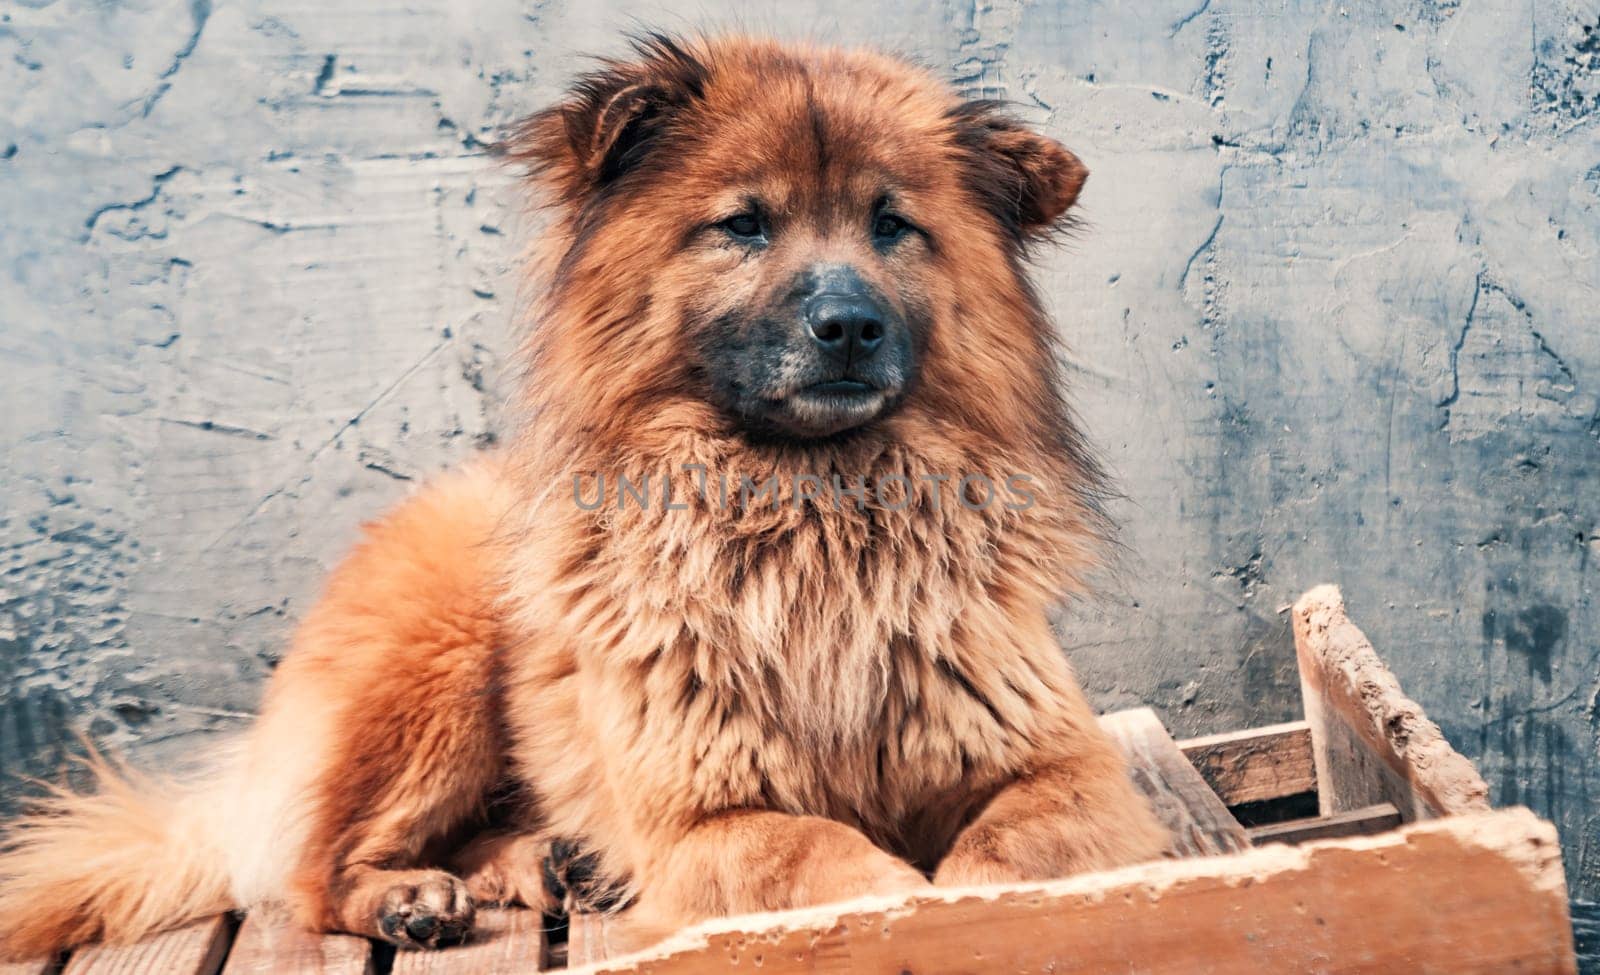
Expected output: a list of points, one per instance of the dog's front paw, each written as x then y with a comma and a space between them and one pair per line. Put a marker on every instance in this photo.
506, 868
433, 911
982, 856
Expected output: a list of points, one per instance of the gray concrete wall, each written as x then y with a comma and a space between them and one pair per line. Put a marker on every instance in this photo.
1333, 316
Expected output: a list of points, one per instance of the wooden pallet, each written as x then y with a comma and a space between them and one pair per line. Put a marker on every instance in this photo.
1370, 847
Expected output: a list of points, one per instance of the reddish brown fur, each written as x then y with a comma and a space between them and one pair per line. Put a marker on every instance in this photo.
404, 645
739, 709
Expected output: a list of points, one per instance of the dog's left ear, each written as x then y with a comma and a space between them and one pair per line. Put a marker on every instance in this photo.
1027, 180
609, 121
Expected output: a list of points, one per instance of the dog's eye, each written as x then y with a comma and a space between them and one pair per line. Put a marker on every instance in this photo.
888, 227
745, 226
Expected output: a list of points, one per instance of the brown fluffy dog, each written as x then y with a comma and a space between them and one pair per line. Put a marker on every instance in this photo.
766, 261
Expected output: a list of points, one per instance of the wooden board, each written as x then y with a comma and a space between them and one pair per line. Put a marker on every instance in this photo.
588, 939
503, 942
1201, 825
1257, 764
269, 944
585, 940
194, 949
1480, 893
1357, 822
1371, 743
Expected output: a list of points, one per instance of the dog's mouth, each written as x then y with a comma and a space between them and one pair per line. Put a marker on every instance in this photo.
830, 407
839, 387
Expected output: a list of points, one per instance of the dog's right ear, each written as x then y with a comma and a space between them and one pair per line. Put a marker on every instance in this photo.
1028, 180
609, 120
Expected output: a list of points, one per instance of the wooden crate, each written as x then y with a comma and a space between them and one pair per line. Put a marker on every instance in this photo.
1356, 840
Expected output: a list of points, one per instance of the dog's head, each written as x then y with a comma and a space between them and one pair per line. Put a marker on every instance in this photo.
798, 242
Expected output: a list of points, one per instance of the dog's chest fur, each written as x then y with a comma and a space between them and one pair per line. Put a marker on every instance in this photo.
878, 667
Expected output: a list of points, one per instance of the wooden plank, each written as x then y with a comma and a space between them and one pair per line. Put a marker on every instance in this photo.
194, 949
1357, 822
1371, 743
503, 942
1480, 893
585, 943
271, 944
1200, 824
586, 939
593, 938
1257, 764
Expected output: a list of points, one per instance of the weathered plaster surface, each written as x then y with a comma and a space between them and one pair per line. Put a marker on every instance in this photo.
1334, 315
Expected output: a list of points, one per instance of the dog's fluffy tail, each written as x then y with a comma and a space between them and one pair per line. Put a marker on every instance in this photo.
134, 856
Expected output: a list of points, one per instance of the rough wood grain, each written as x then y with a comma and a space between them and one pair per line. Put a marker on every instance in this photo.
586, 939
1371, 743
194, 949
1357, 822
1478, 893
1201, 825
1255, 764
268, 944
504, 942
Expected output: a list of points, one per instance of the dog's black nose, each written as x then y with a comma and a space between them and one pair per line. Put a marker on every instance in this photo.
848, 327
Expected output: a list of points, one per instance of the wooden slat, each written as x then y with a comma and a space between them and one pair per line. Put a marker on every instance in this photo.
1200, 824
269, 944
585, 942
586, 939
1257, 764
194, 949
593, 938
1465, 895
1371, 743
1357, 822
503, 942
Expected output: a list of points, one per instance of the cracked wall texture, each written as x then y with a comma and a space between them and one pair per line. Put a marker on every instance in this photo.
1334, 316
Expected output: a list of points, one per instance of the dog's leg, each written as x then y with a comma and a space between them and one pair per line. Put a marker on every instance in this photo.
754, 860
508, 868
416, 756
1079, 813
400, 658
416, 761
410, 771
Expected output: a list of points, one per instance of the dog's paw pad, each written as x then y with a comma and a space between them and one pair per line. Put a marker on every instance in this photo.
431, 913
